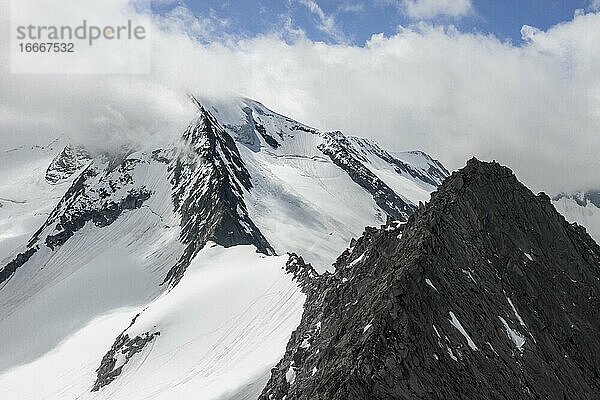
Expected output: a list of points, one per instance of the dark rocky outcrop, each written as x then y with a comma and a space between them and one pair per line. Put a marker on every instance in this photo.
485, 293
97, 195
433, 175
119, 355
94, 196
21, 258
337, 147
70, 223
209, 179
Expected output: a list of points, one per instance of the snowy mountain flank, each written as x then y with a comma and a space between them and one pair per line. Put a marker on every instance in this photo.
308, 185
581, 207
163, 273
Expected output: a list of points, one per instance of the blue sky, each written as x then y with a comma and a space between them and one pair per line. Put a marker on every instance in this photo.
354, 21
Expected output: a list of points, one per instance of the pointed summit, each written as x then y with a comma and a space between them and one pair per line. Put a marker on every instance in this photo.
486, 292
209, 179
204, 125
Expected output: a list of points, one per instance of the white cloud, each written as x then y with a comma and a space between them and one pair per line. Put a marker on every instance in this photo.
535, 108
429, 9
326, 22
205, 28
594, 5
351, 7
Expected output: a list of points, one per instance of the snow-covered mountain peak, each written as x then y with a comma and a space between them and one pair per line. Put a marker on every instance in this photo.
66, 163
310, 184
209, 181
141, 232
256, 127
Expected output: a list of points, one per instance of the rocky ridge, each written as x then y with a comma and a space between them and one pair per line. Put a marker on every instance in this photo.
485, 293
66, 163
209, 179
100, 194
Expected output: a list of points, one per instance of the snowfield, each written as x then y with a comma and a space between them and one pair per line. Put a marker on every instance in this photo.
90, 297
588, 215
301, 200
26, 198
224, 326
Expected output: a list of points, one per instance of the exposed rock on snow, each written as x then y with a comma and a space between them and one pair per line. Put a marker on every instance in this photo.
209, 180
119, 354
70, 160
224, 324
309, 185
99, 195
338, 148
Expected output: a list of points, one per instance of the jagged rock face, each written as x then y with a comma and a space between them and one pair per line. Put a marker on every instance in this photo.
486, 293
66, 163
208, 179
352, 155
100, 194
119, 354
433, 174
16, 263
338, 148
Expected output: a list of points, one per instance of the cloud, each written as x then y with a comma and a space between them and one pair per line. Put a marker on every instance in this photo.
206, 28
326, 22
429, 9
594, 5
350, 7
534, 107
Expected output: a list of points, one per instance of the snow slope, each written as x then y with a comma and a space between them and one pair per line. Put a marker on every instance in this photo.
97, 270
125, 235
221, 327
26, 198
584, 213
302, 201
